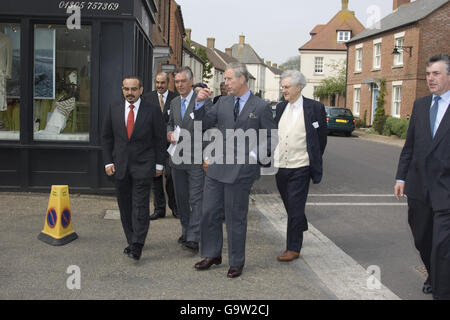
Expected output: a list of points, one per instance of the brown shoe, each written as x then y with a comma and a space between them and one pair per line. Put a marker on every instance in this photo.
288, 255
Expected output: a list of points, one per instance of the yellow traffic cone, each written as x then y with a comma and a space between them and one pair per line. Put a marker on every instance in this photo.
58, 229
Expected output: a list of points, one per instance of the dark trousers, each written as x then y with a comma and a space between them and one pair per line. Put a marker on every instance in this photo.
293, 185
431, 233
159, 199
133, 197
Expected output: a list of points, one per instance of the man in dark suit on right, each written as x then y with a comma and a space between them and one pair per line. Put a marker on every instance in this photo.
162, 97
423, 174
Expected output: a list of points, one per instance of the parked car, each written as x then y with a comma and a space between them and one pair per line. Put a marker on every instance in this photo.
340, 120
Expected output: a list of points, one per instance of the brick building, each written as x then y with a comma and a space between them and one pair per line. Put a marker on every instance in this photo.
418, 30
167, 35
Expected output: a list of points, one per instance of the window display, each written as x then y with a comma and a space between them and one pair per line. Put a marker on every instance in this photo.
62, 83
9, 81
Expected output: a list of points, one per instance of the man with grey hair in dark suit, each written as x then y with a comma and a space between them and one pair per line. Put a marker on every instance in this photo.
228, 183
187, 173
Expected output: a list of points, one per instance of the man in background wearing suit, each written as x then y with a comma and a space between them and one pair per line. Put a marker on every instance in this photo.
302, 137
423, 174
188, 177
162, 97
223, 92
133, 143
227, 185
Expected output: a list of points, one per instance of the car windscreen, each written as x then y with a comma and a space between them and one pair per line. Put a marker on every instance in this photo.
339, 112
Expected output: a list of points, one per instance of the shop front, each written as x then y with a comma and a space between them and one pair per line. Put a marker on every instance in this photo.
60, 67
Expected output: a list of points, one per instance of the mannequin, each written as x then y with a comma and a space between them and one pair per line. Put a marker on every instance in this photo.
5, 67
64, 105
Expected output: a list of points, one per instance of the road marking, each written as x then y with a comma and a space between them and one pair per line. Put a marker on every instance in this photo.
355, 204
349, 195
346, 278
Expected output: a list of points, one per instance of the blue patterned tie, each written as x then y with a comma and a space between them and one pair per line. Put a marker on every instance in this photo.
183, 107
433, 114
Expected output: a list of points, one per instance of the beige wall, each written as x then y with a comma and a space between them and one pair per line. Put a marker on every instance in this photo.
307, 68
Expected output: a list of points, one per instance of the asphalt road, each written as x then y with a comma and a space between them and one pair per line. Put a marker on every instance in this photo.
354, 207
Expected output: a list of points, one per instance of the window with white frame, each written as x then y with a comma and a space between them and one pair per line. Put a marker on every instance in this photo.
356, 100
358, 59
318, 65
343, 36
398, 58
396, 100
377, 55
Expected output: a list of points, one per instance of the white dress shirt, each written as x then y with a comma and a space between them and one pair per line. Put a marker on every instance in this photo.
135, 110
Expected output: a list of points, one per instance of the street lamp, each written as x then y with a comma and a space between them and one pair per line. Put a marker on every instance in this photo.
407, 48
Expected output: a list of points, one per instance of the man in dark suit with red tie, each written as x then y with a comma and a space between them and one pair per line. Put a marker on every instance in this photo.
423, 174
133, 142
162, 96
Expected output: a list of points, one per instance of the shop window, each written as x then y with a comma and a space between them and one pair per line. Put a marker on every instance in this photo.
62, 67
9, 81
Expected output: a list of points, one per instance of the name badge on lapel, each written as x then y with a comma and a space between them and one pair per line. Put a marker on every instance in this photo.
315, 124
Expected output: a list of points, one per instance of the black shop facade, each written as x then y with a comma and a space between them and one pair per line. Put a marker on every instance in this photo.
61, 65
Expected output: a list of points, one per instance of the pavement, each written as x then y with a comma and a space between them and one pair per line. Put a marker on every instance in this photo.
32, 269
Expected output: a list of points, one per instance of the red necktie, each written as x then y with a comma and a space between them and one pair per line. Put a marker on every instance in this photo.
130, 121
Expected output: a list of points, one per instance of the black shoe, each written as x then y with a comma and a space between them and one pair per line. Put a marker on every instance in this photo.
127, 250
157, 215
234, 272
207, 263
136, 251
175, 214
182, 240
191, 245
427, 289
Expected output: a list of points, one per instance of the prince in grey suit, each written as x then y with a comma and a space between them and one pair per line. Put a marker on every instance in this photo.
227, 185
187, 175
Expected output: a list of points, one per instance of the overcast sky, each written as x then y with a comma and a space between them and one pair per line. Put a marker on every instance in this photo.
274, 28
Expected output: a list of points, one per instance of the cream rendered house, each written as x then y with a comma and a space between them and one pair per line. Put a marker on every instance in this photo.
326, 49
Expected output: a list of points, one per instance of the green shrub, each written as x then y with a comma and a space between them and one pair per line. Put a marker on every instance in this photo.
359, 123
380, 115
398, 127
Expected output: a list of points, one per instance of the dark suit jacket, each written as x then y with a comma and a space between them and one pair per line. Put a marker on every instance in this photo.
316, 138
256, 114
424, 162
146, 146
153, 98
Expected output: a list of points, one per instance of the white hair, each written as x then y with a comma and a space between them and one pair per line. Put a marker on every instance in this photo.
297, 78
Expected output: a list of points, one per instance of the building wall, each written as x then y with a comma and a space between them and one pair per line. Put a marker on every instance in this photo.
175, 38
273, 84
307, 68
427, 37
195, 65
259, 72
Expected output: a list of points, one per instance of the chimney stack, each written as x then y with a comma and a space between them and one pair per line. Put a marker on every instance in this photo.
398, 3
344, 4
228, 51
241, 39
275, 65
269, 63
188, 34
210, 43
